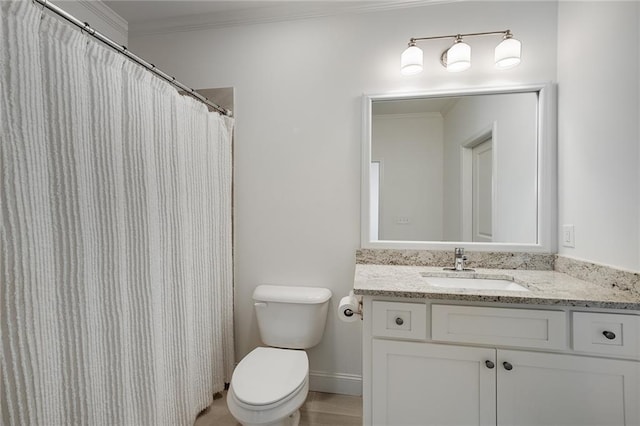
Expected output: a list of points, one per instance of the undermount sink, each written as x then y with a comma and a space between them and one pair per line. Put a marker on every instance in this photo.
474, 283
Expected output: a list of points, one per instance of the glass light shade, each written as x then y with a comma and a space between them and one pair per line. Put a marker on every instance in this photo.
411, 61
508, 53
458, 57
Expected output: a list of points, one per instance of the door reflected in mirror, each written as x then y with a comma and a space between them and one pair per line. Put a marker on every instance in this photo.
455, 168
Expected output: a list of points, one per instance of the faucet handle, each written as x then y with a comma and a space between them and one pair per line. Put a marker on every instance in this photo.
459, 251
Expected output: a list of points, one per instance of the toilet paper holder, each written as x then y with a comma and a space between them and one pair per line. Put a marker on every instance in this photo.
350, 312
350, 307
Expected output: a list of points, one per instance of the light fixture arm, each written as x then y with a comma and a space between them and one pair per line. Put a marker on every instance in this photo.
505, 33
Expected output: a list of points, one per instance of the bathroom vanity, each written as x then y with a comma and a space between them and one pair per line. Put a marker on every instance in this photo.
556, 350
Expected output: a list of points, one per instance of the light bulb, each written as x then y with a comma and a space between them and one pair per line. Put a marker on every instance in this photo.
507, 54
411, 60
458, 57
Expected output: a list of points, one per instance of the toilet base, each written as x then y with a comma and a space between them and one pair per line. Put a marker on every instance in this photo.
295, 418
291, 420
276, 415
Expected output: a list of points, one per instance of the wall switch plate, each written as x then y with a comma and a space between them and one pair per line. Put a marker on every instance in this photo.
568, 236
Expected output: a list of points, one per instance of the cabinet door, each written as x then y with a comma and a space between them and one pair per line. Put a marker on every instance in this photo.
430, 384
549, 389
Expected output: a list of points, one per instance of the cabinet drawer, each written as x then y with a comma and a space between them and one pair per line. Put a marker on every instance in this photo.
499, 326
400, 320
609, 334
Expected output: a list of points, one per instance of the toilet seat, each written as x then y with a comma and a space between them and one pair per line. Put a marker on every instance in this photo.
269, 375
268, 386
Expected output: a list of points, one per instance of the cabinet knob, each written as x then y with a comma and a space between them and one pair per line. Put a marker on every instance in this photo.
489, 364
609, 334
507, 366
399, 321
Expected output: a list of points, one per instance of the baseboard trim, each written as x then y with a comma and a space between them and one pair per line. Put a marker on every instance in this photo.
346, 384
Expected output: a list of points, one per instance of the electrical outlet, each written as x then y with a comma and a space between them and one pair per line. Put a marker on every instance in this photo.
403, 220
568, 236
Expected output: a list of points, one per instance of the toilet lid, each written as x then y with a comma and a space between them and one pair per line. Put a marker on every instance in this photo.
268, 375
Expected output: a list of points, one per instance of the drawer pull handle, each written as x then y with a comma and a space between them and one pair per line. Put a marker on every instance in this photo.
399, 321
507, 366
609, 334
489, 364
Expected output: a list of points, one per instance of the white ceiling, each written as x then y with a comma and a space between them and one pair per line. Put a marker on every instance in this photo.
136, 11
154, 16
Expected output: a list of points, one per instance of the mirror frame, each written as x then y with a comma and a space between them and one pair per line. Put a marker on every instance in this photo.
546, 179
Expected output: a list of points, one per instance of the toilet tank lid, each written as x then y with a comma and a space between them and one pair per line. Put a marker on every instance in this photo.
287, 294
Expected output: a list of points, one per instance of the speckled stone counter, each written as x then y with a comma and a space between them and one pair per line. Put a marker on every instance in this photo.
601, 274
477, 259
545, 287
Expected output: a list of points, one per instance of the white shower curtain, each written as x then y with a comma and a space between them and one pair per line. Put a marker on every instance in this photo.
115, 241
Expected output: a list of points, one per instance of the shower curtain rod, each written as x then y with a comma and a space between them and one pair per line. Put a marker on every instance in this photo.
84, 26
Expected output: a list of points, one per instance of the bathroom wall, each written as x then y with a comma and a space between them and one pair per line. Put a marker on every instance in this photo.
598, 134
297, 143
409, 148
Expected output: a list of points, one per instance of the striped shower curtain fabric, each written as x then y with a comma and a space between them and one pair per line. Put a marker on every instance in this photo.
115, 235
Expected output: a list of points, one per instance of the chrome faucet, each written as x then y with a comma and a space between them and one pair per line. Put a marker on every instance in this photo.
459, 260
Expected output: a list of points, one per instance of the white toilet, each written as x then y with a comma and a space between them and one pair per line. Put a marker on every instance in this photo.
270, 384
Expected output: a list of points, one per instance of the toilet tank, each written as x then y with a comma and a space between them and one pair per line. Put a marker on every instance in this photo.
291, 317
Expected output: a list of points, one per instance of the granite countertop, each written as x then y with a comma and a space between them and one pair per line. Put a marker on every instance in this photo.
545, 287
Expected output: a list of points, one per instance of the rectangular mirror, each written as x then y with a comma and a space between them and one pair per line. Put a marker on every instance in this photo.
474, 168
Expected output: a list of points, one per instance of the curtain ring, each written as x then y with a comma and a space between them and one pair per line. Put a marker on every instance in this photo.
43, 5
83, 30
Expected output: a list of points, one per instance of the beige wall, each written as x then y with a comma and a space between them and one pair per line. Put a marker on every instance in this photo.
598, 134
298, 88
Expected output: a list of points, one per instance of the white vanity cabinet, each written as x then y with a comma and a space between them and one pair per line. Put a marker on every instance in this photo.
559, 389
459, 364
431, 384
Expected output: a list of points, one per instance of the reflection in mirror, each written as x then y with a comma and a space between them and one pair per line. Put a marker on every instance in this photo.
447, 168
458, 168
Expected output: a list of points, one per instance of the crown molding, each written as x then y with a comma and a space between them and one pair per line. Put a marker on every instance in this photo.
99, 16
290, 11
107, 15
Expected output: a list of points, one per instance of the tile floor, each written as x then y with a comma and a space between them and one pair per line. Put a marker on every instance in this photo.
320, 409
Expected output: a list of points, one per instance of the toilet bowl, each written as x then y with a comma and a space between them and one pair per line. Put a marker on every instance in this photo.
268, 387
270, 384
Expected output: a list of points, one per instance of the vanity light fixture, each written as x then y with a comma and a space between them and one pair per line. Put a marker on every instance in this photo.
507, 54
458, 57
